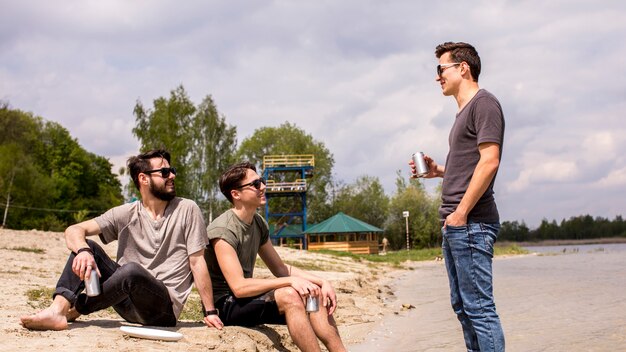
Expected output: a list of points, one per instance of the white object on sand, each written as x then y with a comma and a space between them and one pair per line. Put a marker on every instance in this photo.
152, 334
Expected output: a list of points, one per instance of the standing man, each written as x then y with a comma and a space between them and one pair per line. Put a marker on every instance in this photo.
468, 211
236, 237
160, 254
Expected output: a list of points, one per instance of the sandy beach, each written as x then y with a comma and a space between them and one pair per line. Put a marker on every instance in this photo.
572, 301
33, 260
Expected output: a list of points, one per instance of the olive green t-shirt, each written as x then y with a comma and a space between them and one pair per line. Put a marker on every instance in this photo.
246, 239
161, 246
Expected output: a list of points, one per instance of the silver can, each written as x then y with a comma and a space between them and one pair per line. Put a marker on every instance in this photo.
92, 286
421, 168
312, 304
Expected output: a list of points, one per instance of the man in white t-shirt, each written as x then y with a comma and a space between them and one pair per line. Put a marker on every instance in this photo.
160, 255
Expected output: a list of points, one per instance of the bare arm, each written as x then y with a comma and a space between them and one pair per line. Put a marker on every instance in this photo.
483, 175
249, 287
75, 239
202, 280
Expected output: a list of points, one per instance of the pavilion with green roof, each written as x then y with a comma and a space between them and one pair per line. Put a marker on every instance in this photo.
343, 233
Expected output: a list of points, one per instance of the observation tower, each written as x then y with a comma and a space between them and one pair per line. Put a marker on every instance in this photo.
286, 177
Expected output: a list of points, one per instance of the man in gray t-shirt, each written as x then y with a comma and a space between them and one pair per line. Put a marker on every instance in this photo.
160, 255
469, 216
236, 237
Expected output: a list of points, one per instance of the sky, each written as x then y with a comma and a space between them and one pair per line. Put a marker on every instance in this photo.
358, 75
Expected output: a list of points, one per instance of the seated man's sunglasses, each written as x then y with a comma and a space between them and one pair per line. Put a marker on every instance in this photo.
165, 171
256, 183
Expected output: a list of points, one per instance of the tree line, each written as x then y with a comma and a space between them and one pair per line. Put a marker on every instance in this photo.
577, 227
41, 166
47, 180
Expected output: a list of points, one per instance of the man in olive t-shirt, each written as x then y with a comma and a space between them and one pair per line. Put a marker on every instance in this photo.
236, 237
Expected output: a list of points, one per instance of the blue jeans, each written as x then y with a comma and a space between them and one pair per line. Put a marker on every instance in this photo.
468, 253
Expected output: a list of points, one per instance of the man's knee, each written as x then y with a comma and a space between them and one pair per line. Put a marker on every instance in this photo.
288, 297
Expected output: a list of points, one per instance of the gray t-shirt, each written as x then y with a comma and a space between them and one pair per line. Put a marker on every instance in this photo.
161, 246
246, 239
480, 121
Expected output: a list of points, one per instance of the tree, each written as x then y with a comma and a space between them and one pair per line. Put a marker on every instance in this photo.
214, 147
200, 141
168, 125
424, 227
290, 139
46, 176
365, 200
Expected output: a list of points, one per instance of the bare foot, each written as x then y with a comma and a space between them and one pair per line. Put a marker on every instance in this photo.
47, 319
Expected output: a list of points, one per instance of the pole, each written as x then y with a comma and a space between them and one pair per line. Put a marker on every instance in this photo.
6, 208
406, 220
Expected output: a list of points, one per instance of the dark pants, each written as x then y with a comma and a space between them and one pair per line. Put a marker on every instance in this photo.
130, 289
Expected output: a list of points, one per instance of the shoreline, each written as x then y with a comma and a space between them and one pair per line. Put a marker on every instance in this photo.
570, 242
564, 302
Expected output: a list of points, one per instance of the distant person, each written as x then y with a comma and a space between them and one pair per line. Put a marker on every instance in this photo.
385, 244
161, 242
236, 237
468, 211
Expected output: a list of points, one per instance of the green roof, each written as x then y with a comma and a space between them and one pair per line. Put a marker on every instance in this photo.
341, 222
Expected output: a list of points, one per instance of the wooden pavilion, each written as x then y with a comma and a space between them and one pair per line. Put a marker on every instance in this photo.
343, 233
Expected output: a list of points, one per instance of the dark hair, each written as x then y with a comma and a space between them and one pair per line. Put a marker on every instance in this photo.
461, 52
232, 177
141, 163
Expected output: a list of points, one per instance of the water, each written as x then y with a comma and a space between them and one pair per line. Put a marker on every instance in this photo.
552, 301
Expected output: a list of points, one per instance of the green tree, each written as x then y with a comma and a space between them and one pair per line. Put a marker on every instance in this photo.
424, 228
46, 176
168, 125
200, 141
365, 200
290, 139
213, 150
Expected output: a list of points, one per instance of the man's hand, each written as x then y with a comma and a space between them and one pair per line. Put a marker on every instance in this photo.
82, 265
329, 298
304, 287
214, 321
434, 170
455, 219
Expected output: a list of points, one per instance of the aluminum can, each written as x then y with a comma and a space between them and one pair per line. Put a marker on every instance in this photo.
420, 164
312, 304
92, 286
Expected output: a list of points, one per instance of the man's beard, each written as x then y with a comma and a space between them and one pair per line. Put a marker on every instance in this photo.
162, 193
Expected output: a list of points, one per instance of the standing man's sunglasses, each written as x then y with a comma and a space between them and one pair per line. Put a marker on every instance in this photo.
256, 183
165, 171
443, 67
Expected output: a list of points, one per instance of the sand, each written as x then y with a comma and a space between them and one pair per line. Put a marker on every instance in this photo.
571, 301
362, 295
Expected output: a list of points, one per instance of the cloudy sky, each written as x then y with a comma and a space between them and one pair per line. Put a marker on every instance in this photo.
358, 75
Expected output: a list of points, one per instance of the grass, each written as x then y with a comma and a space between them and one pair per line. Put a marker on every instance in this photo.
40, 298
28, 250
396, 258
192, 311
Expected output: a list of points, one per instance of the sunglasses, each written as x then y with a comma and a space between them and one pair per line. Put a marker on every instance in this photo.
165, 171
441, 68
256, 183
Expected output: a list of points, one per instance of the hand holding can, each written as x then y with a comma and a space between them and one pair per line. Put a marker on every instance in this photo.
421, 169
92, 286
312, 304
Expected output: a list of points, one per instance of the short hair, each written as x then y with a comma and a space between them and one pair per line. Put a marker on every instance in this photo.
141, 163
232, 177
461, 52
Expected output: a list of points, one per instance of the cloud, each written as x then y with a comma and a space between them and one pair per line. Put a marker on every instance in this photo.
357, 75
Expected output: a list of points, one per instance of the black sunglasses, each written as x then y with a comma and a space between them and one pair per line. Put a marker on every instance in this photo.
165, 171
443, 67
256, 183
